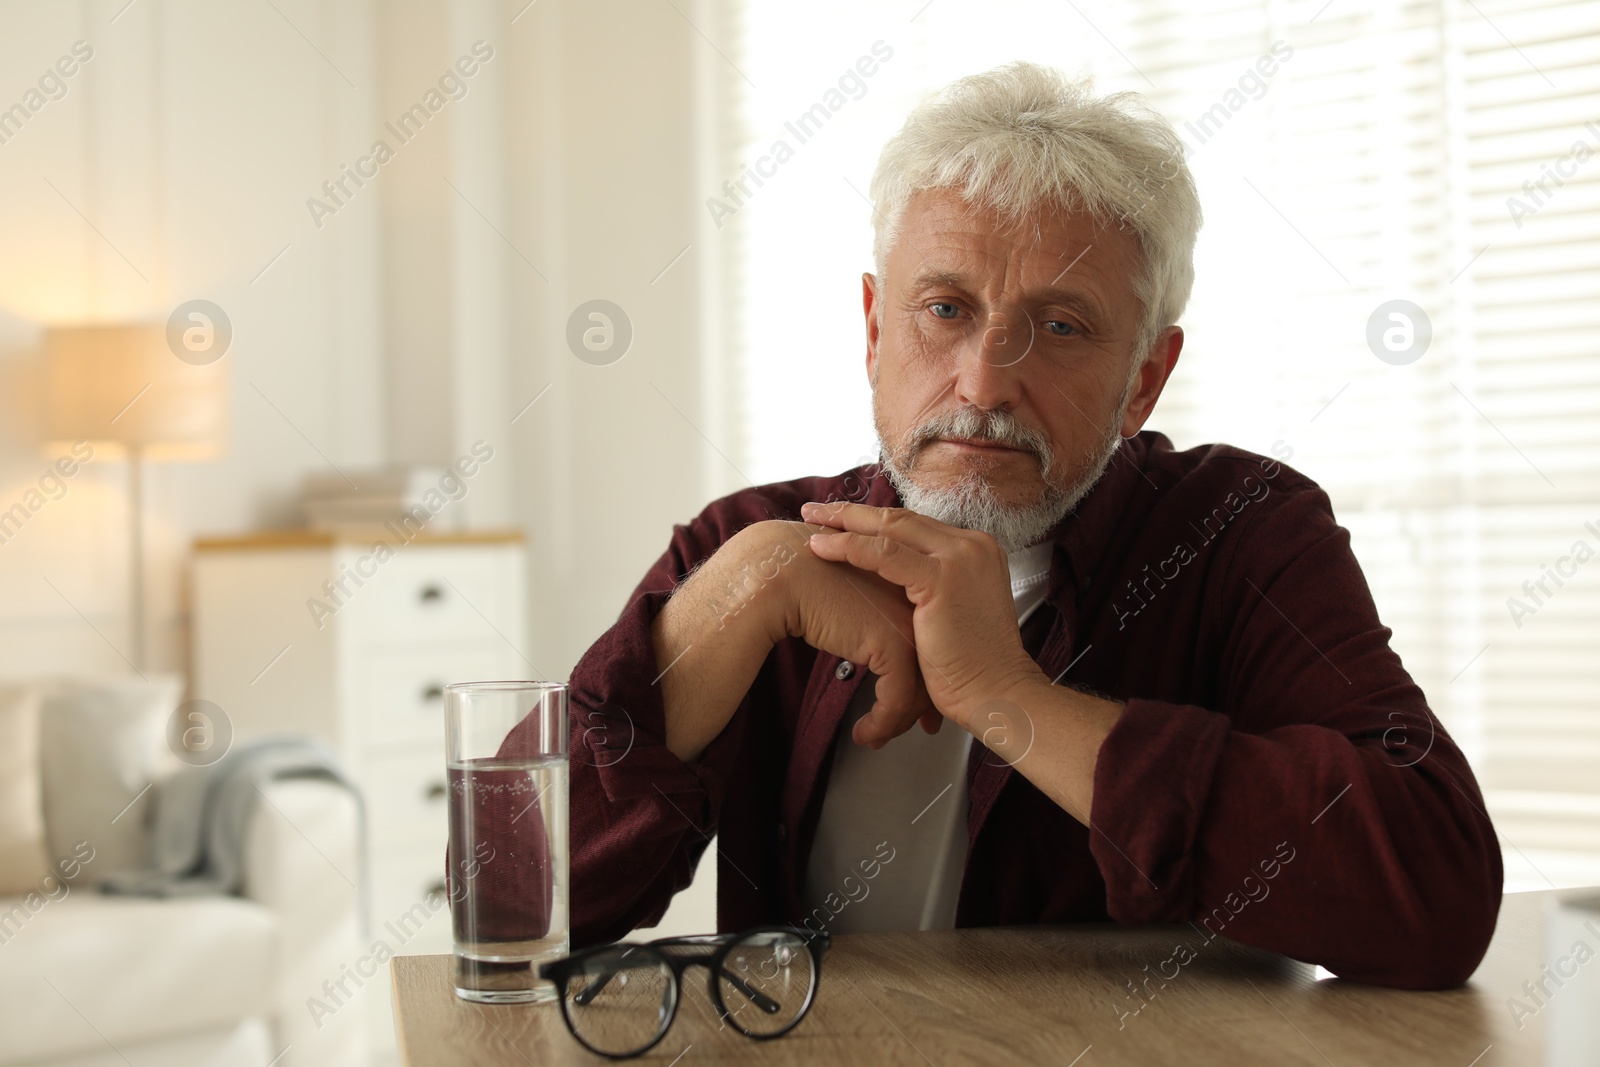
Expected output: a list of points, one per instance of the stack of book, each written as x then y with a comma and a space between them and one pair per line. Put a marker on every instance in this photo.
364, 499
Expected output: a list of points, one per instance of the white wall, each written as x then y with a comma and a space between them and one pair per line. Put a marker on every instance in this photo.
189, 143
606, 194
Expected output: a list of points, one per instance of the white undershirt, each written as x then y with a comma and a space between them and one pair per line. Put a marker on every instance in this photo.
892, 839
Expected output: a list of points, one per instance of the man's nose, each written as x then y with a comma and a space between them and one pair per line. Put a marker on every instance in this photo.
989, 370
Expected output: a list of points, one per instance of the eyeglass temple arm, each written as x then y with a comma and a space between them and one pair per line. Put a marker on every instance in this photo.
755, 996
592, 990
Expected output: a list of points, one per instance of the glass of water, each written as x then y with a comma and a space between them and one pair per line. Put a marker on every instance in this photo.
506, 760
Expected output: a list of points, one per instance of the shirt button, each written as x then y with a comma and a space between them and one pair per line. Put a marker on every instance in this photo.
844, 670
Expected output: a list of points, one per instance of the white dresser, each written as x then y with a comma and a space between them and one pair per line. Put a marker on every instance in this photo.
302, 632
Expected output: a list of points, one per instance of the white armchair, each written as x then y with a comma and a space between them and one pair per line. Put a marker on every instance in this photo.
88, 979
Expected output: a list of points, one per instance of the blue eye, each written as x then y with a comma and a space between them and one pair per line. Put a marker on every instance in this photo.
945, 311
1059, 328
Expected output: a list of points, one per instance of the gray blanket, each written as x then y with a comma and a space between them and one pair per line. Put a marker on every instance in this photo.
201, 815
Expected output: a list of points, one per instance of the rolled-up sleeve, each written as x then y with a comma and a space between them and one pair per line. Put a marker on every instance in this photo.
640, 816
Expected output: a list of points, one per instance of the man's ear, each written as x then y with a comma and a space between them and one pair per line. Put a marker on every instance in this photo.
869, 307
1152, 378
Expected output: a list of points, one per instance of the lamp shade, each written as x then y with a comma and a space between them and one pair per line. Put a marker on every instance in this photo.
123, 385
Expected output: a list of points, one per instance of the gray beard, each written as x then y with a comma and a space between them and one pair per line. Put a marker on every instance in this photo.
973, 504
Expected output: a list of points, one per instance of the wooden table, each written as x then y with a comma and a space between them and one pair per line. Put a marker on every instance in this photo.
1040, 995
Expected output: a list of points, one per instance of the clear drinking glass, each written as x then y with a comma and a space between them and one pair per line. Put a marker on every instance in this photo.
506, 759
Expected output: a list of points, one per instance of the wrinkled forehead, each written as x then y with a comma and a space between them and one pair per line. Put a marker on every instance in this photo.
945, 239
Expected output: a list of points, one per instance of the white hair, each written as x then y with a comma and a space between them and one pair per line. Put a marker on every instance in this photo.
1022, 138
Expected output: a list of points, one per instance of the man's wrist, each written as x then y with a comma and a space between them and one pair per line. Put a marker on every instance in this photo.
1024, 692
759, 578
712, 636
1029, 689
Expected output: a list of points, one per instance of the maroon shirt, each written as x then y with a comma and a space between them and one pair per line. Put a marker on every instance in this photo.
1276, 776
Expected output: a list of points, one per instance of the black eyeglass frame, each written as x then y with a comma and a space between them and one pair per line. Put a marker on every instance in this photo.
561, 972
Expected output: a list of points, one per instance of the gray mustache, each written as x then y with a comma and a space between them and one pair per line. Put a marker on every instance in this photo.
1000, 427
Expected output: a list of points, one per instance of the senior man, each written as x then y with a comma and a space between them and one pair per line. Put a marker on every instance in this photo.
1151, 684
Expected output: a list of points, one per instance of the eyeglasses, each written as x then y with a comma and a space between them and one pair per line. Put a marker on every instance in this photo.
619, 1000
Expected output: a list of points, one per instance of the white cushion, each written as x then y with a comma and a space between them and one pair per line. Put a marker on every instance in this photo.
23, 865
244, 1044
104, 740
131, 969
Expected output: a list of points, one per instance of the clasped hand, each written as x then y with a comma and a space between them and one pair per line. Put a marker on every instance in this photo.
944, 592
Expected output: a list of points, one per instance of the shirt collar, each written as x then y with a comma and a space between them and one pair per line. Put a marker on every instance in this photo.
1085, 534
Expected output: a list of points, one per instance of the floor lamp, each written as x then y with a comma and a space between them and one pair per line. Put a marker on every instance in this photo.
123, 389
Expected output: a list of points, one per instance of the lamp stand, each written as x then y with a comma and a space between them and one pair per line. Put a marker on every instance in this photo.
136, 555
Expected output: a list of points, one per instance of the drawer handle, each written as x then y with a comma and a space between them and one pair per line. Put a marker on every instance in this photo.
435, 791
432, 691
430, 594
